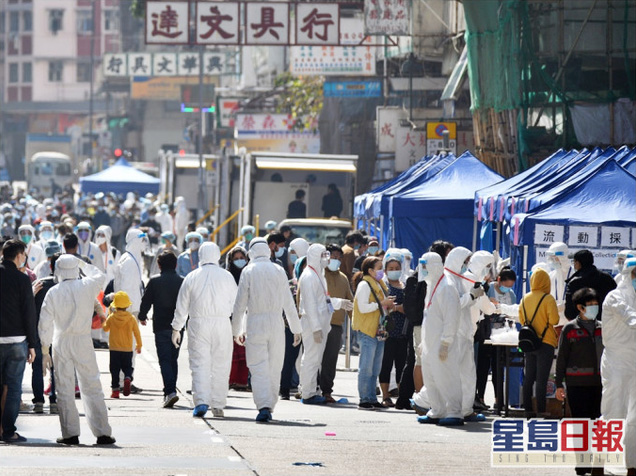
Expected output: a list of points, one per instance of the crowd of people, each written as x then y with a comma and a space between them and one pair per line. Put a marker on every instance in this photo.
423, 326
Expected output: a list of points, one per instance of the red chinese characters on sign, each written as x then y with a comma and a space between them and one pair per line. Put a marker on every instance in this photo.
166, 22
317, 23
268, 122
248, 123
267, 23
217, 23
386, 130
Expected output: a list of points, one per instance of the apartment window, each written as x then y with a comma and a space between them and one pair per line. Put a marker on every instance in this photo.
27, 21
83, 72
13, 73
84, 22
26, 72
55, 71
56, 17
14, 22
111, 20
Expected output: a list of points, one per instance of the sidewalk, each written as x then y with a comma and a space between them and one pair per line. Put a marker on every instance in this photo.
156, 441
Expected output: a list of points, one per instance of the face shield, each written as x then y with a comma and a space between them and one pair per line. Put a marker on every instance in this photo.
324, 259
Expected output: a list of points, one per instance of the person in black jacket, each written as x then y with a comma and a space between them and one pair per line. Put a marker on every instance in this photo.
162, 292
18, 333
586, 276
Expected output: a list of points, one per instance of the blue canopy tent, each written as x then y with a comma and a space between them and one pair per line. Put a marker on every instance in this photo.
120, 178
440, 207
607, 197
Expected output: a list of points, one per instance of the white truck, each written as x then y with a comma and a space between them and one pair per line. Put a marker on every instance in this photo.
49, 162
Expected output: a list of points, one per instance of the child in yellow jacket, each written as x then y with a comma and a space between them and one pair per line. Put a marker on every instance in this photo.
122, 325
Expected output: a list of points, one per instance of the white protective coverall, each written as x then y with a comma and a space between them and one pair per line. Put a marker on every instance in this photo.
87, 247
315, 317
264, 292
181, 220
560, 271
618, 363
207, 295
35, 253
47, 232
110, 258
65, 321
128, 273
165, 219
442, 314
479, 269
466, 329
619, 263
300, 247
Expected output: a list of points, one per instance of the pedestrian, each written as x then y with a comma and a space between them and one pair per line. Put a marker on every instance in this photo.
370, 248
538, 309
338, 287
353, 241
560, 272
181, 220
35, 253
206, 297
18, 333
43, 270
586, 276
332, 202
86, 247
110, 255
619, 263
297, 249
247, 234
235, 262
264, 293
370, 305
122, 325
297, 208
188, 261
394, 356
441, 347
618, 363
276, 243
65, 322
316, 307
167, 244
161, 294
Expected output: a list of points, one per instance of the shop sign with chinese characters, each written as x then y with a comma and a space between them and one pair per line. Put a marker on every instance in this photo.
410, 147
262, 23
164, 64
387, 17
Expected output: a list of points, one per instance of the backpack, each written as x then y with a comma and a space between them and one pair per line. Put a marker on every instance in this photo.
529, 341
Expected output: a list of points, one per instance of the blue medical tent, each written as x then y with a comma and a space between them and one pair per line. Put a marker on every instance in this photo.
120, 178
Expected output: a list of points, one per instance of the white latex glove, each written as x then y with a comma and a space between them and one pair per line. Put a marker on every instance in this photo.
240, 339
176, 338
346, 305
318, 337
443, 351
297, 339
476, 292
46, 362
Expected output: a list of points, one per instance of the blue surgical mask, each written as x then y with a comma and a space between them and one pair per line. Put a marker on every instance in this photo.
280, 252
634, 283
334, 264
293, 257
394, 275
46, 235
504, 289
356, 247
591, 312
464, 269
373, 250
240, 263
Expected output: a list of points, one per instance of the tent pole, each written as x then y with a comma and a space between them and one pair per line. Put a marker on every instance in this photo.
474, 234
381, 237
498, 236
525, 269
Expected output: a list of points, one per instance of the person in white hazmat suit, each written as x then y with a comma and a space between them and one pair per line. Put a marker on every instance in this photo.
560, 271
65, 322
35, 253
440, 347
316, 308
264, 292
181, 220
207, 295
618, 363
85, 246
164, 218
110, 255
619, 263
456, 269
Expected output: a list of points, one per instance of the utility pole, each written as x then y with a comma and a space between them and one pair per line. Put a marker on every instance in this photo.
91, 76
201, 195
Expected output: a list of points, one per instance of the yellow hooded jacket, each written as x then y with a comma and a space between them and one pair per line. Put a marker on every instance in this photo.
122, 325
548, 314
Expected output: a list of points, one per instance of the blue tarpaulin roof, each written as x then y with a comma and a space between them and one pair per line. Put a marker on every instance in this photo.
120, 178
440, 207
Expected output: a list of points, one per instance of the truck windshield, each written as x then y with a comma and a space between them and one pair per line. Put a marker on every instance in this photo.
321, 234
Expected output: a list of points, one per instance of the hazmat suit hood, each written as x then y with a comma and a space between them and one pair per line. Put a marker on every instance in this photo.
455, 259
136, 242
84, 225
108, 232
626, 273
540, 281
313, 256
209, 253
259, 249
479, 264
66, 267
434, 266
300, 247
27, 227
559, 252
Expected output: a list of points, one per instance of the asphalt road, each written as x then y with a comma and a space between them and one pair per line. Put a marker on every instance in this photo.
342, 439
